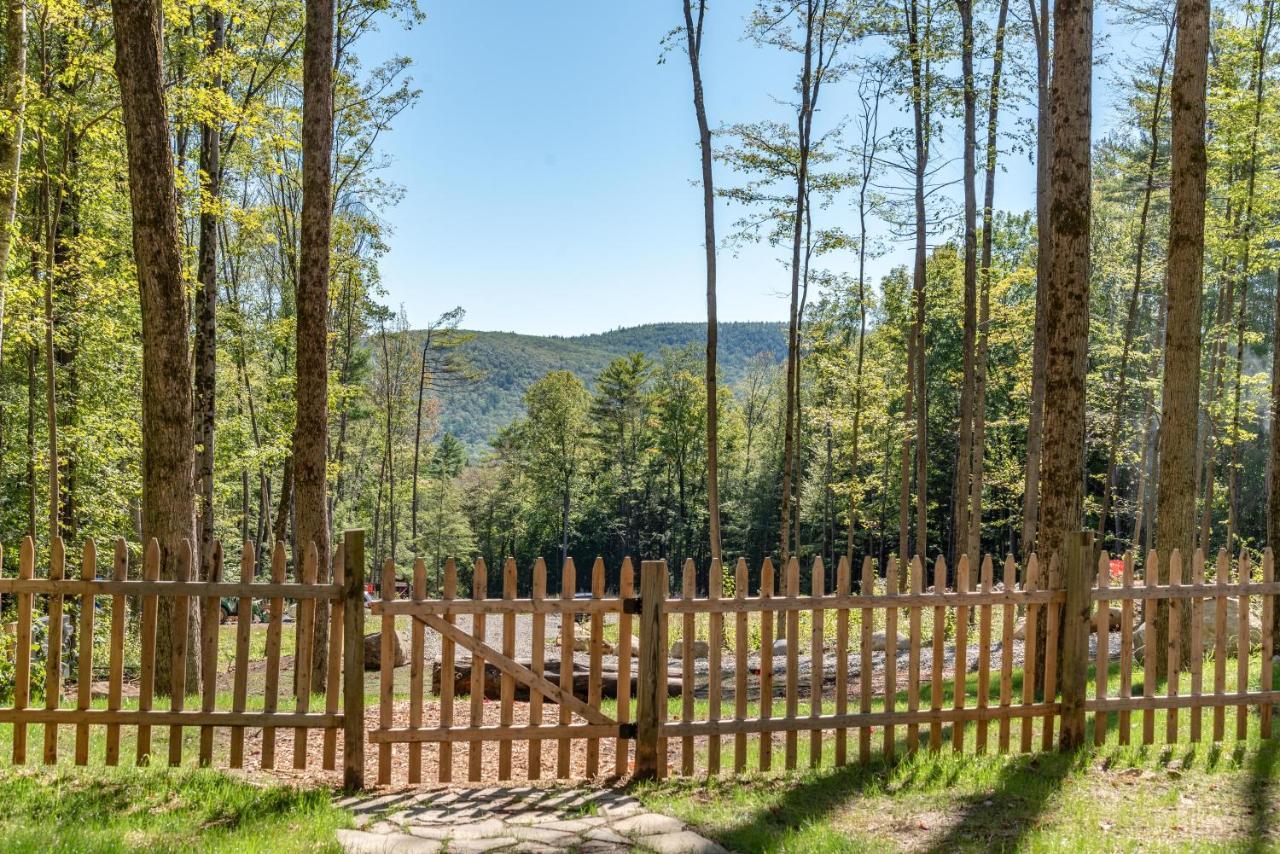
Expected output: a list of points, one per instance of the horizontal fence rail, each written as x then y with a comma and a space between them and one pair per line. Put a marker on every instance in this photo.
124, 612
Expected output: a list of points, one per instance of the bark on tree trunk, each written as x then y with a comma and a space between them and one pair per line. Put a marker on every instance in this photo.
1175, 497
965, 446
168, 511
311, 430
12, 113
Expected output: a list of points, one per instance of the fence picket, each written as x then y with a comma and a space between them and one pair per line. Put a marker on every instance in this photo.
793, 661
1102, 657
984, 656
715, 641
1242, 650
1220, 644
842, 661
507, 689
1197, 642
1030, 582
333, 681
209, 622
626, 590
1268, 628
147, 671
1174, 666
447, 659
688, 634
568, 586
115, 666
766, 665
84, 669
417, 662
865, 660
537, 594
480, 591
816, 677
938, 652
890, 657
1126, 648
915, 616
1150, 652
53, 644
740, 668
244, 627
271, 696
386, 665
303, 656
1053, 624
959, 679
1010, 613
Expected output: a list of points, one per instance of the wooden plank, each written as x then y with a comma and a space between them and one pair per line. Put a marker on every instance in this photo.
960, 667
1076, 569
1052, 623
946, 714
115, 677
687, 636
740, 666
939, 653
84, 669
53, 642
1185, 701
890, 658
915, 616
984, 655
447, 654
386, 668
333, 680
244, 628
22, 665
1175, 646
1030, 582
1102, 658
594, 666
147, 642
865, 661
1220, 644
1242, 651
488, 732
568, 587
1197, 644
1009, 615
842, 661
816, 676
479, 592
271, 689
715, 641
417, 663
178, 669
507, 690
765, 750
353, 723
793, 661
171, 588
650, 702
539, 642
1126, 647
210, 618
947, 599
304, 656
1268, 642
1150, 569
164, 717
626, 590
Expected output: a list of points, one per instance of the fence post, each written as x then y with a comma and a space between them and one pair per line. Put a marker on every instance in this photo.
353, 661
651, 694
1077, 561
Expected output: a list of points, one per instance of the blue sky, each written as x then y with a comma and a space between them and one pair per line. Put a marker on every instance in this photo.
548, 166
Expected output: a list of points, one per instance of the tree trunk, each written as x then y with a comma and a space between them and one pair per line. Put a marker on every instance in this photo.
1175, 497
920, 130
1067, 303
168, 512
965, 447
693, 37
984, 307
1044, 250
206, 298
311, 430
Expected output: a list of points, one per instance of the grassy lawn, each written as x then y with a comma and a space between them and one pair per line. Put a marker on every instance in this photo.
156, 809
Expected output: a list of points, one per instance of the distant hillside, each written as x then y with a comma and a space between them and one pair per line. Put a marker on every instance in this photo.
510, 363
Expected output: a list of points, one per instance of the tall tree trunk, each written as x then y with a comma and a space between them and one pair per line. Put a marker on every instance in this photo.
206, 299
984, 308
1273, 480
920, 115
311, 430
1131, 320
1175, 497
693, 37
13, 75
965, 448
1044, 250
168, 512
417, 441
793, 328
1067, 303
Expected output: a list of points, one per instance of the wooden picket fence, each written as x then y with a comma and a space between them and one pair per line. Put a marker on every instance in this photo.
142, 594
967, 636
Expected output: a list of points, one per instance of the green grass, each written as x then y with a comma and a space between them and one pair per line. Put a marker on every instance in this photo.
127, 809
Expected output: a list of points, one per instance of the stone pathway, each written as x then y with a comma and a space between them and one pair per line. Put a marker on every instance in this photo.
511, 819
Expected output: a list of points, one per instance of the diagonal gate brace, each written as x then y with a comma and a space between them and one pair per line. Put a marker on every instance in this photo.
482, 651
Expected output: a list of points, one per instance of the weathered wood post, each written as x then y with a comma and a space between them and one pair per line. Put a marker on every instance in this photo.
651, 685
1077, 561
353, 661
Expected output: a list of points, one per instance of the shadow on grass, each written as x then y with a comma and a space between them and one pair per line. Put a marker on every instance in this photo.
1002, 816
1258, 795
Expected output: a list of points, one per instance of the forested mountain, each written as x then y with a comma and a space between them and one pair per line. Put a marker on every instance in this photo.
507, 363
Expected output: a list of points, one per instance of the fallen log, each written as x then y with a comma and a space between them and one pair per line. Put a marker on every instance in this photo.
551, 670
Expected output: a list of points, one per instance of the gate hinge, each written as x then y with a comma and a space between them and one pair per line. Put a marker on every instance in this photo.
631, 605
627, 731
